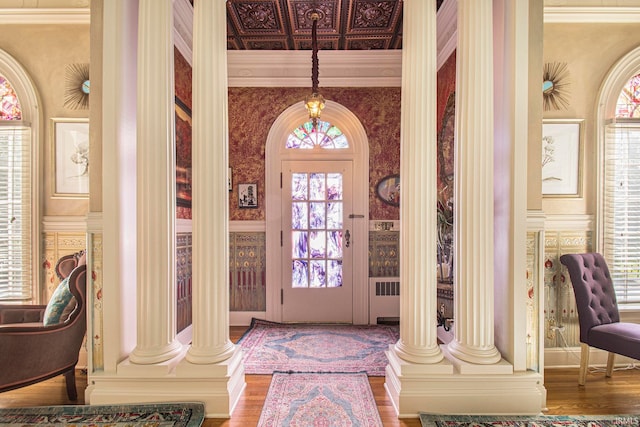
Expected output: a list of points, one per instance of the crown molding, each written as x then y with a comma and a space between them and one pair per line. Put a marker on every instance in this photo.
291, 68
591, 15
44, 16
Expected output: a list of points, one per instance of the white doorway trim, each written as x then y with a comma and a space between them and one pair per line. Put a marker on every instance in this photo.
351, 127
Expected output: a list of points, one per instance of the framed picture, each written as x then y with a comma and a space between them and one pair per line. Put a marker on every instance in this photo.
561, 158
388, 190
70, 154
248, 195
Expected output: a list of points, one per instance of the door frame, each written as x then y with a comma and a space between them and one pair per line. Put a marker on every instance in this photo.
358, 153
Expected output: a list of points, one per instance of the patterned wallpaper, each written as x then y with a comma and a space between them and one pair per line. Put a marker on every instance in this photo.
446, 127
253, 110
183, 77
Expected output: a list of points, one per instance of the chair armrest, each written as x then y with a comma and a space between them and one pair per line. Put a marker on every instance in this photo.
21, 313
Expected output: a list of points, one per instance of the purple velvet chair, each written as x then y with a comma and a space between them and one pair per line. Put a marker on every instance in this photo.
31, 352
600, 325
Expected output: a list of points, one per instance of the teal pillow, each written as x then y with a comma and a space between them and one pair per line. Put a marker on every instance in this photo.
60, 299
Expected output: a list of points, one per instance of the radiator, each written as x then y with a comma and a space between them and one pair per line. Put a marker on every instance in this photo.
384, 298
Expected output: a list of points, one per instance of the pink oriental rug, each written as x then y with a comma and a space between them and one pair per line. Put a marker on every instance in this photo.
325, 399
269, 347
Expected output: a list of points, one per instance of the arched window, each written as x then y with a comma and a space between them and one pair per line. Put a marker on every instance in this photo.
621, 193
324, 136
9, 105
16, 196
629, 99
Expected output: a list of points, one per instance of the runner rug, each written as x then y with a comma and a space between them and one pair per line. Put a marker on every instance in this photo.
324, 399
269, 347
186, 414
430, 420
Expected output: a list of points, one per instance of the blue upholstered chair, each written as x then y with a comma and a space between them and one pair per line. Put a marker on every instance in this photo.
598, 315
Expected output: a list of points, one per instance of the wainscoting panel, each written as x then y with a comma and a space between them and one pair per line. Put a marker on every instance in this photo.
534, 299
95, 328
247, 272
560, 308
384, 254
56, 244
183, 283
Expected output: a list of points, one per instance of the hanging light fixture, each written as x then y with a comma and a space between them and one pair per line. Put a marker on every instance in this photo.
314, 102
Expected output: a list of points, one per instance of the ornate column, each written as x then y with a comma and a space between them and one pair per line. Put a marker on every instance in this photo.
210, 192
473, 215
418, 343
156, 197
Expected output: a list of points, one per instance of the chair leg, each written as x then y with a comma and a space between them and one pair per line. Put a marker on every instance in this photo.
610, 359
584, 363
70, 376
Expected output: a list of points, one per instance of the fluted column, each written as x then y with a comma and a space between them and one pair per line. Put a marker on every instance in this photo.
210, 192
418, 317
156, 294
473, 215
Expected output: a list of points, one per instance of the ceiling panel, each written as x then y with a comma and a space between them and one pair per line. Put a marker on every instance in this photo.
343, 24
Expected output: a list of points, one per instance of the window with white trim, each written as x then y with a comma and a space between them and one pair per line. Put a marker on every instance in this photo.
16, 280
621, 214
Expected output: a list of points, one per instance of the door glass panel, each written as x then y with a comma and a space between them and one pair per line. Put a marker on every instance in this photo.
300, 273
334, 186
317, 240
300, 247
334, 274
334, 215
299, 184
318, 274
334, 244
316, 229
317, 186
318, 215
299, 216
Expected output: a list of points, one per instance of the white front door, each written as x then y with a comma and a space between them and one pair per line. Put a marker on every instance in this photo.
317, 282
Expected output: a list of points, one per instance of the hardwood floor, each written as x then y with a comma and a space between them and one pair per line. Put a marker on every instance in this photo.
616, 395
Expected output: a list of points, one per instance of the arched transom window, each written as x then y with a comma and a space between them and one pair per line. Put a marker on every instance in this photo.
325, 136
9, 105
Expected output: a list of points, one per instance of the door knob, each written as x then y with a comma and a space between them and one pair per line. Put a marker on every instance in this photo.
347, 237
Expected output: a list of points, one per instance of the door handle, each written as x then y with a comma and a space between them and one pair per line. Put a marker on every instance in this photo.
347, 237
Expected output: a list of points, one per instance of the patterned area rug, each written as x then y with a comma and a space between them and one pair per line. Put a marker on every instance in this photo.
186, 414
430, 420
325, 399
269, 347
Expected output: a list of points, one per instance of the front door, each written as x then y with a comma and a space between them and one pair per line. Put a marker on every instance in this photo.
316, 241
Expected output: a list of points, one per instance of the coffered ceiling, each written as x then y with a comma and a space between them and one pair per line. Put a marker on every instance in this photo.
286, 25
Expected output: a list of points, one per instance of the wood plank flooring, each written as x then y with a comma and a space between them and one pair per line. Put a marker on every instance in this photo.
617, 395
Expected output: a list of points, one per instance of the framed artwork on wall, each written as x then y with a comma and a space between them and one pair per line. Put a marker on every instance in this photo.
70, 157
248, 195
562, 145
388, 190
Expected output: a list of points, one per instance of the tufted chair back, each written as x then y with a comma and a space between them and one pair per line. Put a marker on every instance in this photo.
593, 288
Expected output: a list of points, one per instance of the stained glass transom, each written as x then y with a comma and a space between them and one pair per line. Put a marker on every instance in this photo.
316, 229
9, 105
629, 101
324, 136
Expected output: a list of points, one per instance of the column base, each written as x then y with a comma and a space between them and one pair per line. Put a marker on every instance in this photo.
413, 389
501, 367
478, 356
218, 385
